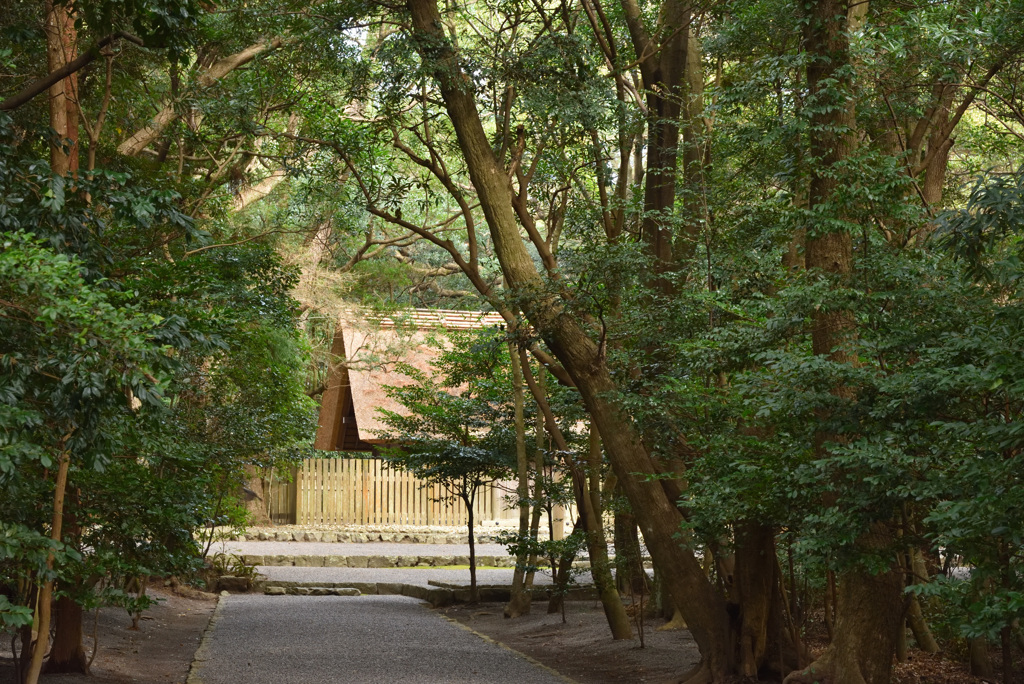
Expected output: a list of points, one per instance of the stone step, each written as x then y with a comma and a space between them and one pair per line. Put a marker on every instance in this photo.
312, 561
438, 594
357, 537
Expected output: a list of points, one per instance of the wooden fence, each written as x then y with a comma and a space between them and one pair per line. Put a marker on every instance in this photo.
282, 498
365, 492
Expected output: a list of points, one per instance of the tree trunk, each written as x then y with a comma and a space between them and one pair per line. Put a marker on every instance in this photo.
561, 569
981, 663
520, 599
662, 58
870, 611
629, 567
67, 653
587, 486
597, 546
474, 593
919, 627
755, 588
915, 618
61, 48
167, 115
46, 594
870, 608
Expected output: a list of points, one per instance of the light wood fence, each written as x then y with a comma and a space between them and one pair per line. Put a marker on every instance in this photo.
366, 491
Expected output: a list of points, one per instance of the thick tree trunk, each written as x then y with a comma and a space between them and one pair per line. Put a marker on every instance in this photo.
61, 49
981, 663
755, 588
68, 652
870, 608
870, 611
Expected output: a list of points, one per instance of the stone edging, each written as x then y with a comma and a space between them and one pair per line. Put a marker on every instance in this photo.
438, 595
529, 659
203, 652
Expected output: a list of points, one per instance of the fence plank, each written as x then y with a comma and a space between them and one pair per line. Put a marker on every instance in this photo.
332, 508
375, 470
303, 498
392, 494
357, 481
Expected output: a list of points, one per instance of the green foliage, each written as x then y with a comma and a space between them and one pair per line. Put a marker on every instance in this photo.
161, 378
988, 227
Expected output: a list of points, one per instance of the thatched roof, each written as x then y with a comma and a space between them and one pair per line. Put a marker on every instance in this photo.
367, 351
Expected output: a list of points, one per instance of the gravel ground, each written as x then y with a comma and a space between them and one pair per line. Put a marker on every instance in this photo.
269, 548
419, 576
367, 639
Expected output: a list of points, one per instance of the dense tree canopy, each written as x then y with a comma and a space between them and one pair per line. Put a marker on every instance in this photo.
772, 248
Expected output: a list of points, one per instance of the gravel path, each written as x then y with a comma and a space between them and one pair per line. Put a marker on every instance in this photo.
269, 548
366, 639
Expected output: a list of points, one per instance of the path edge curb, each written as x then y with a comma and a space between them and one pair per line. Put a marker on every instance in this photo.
202, 653
565, 678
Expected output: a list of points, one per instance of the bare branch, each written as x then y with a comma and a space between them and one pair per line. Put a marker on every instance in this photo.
219, 69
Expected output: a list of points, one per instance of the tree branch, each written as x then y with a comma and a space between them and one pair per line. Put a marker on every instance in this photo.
30, 91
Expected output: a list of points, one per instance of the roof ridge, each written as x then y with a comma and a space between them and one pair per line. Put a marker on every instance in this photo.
435, 318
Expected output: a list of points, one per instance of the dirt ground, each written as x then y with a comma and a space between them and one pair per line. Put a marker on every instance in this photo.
160, 652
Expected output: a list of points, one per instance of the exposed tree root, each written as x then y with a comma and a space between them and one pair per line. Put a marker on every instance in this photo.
675, 624
830, 668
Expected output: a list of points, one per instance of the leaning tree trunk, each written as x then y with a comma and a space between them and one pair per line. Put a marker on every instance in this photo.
597, 546
588, 500
583, 359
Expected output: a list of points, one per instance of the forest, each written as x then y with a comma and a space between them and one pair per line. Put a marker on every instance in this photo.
759, 263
